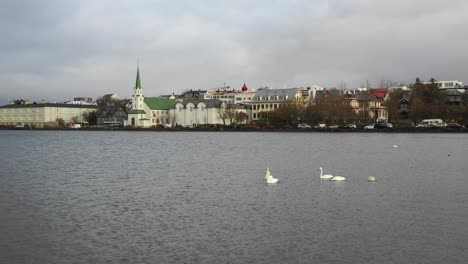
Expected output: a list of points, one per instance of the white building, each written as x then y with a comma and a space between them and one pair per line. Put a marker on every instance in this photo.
42, 114
191, 113
448, 84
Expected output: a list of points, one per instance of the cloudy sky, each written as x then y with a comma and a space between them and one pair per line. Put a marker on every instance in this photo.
57, 50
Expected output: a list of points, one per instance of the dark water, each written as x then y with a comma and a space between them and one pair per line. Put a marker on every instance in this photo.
144, 197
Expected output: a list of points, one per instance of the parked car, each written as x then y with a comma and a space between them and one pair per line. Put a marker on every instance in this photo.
431, 123
455, 125
371, 126
383, 126
321, 126
303, 126
350, 126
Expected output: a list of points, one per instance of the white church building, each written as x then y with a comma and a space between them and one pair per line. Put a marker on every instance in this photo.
153, 111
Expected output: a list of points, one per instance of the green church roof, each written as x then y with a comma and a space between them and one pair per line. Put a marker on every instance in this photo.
157, 103
138, 82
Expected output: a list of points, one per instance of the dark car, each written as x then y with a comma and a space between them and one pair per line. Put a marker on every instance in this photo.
454, 125
383, 126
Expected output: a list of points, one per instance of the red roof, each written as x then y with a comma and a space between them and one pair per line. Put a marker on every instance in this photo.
245, 88
379, 92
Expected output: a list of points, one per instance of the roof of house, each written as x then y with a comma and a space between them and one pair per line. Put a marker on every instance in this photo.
325, 92
158, 103
379, 92
110, 110
365, 97
290, 92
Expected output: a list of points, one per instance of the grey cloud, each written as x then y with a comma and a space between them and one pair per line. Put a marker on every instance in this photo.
88, 48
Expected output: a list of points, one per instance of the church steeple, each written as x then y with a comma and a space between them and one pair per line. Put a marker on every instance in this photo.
138, 97
138, 82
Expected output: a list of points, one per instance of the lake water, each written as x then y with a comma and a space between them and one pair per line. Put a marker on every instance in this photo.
193, 197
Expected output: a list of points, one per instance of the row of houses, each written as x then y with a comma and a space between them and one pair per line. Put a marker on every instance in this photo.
221, 105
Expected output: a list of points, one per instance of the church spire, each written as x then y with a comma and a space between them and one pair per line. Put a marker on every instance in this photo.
138, 82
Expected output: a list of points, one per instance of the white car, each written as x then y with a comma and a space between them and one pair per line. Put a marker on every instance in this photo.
369, 126
303, 126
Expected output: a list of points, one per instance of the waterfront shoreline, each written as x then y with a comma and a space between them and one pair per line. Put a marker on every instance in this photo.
225, 129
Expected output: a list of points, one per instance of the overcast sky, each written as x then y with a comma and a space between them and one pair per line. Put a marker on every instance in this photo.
57, 50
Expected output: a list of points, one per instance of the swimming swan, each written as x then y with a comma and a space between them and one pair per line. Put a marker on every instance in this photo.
326, 176
268, 178
338, 178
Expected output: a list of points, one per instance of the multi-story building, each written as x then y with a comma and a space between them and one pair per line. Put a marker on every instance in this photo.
43, 114
266, 100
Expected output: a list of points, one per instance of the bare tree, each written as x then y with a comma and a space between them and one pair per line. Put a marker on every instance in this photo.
393, 104
241, 117
222, 112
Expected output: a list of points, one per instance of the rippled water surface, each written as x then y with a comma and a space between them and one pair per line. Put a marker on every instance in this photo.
181, 197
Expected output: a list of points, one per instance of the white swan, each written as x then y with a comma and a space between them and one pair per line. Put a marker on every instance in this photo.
338, 178
371, 178
326, 176
268, 178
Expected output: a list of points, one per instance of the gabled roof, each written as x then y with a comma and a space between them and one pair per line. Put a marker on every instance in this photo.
365, 97
379, 92
158, 103
111, 110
